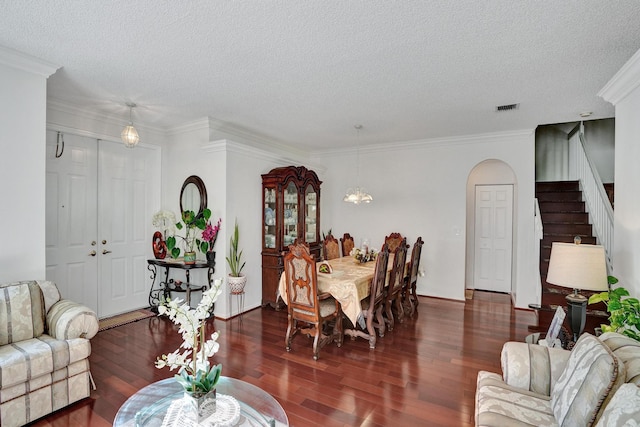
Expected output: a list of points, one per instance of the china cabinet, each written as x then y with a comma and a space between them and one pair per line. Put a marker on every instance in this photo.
291, 210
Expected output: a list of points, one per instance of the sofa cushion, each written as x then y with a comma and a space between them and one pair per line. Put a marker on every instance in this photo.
25, 360
591, 372
532, 367
22, 314
623, 409
499, 404
628, 350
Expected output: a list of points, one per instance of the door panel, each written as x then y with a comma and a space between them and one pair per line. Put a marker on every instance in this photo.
493, 237
128, 193
71, 224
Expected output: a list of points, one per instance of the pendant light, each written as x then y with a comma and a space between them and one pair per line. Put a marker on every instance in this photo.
129, 134
359, 195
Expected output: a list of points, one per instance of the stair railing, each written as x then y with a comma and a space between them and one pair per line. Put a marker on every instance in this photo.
595, 196
539, 235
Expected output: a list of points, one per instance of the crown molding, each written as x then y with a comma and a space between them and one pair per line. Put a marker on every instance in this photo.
430, 143
66, 107
25, 62
54, 127
623, 82
229, 146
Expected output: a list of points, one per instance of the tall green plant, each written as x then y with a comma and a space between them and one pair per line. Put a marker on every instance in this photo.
624, 314
235, 258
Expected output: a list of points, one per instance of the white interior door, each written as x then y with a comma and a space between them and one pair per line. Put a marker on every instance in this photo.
493, 237
129, 194
100, 200
71, 219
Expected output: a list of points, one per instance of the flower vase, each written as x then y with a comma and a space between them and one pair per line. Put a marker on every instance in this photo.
159, 246
211, 258
198, 406
189, 257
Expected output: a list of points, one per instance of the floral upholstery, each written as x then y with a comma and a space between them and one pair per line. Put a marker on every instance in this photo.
532, 367
587, 376
44, 362
624, 408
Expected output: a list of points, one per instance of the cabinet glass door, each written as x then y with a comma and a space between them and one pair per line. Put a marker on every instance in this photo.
290, 214
310, 214
270, 211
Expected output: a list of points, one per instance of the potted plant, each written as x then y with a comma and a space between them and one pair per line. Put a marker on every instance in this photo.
190, 222
209, 237
624, 314
237, 280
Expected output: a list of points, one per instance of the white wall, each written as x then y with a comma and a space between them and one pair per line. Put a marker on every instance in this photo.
22, 165
623, 91
600, 144
419, 189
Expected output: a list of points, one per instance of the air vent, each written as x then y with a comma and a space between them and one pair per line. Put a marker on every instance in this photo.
507, 107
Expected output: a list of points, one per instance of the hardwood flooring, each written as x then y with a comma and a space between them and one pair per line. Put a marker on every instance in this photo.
422, 373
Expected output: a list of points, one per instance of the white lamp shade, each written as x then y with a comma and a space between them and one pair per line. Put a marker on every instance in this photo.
578, 266
130, 136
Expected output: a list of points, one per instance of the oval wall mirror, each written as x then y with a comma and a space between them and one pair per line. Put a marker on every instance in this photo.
193, 196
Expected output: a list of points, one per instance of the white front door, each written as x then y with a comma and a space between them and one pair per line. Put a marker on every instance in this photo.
493, 237
129, 193
71, 219
100, 200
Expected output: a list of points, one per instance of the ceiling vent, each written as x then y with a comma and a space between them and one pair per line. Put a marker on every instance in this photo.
507, 107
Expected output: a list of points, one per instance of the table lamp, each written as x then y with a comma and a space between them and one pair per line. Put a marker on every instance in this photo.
579, 267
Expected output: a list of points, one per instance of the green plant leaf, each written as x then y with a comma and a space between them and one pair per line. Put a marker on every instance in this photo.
599, 297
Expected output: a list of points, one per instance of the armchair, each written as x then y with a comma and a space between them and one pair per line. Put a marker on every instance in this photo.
44, 351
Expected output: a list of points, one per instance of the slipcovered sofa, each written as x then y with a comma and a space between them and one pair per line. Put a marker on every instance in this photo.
44, 351
597, 383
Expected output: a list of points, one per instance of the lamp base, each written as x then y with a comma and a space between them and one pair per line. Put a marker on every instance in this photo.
577, 308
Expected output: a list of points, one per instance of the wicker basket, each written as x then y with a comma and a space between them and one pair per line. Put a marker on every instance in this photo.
237, 284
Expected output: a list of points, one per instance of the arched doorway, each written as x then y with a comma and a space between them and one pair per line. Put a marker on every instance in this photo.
491, 215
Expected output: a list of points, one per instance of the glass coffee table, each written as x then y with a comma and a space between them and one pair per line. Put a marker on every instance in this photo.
149, 405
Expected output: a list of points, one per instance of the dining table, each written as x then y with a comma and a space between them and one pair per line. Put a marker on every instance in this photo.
349, 283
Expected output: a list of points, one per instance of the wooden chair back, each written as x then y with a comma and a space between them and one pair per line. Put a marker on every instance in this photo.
347, 243
331, 247
393, 240
379, 278
302, 284
415, 261
396, 276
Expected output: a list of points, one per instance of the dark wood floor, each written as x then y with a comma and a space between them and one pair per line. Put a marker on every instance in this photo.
423, 373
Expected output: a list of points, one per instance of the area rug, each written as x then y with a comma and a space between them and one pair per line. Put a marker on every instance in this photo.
123, 319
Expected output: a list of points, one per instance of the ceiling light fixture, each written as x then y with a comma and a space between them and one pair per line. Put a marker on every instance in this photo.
129, 134
359, 195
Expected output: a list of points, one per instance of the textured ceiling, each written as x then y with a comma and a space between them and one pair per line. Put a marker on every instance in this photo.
304, 72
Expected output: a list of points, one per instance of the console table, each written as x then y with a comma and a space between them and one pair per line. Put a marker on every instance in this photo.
163, 286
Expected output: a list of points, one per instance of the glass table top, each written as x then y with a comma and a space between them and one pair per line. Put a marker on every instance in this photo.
149, 405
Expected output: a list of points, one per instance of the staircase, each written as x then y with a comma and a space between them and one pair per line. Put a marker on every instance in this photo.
563, 216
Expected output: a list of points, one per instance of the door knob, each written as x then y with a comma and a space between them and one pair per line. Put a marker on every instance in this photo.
92, 253
93, 243
104, 252
104, 242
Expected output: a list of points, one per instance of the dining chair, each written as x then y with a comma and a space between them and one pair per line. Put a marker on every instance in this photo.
347, 243
373, 305
394, 285
309, 311
409, 289
393, 241
330, 247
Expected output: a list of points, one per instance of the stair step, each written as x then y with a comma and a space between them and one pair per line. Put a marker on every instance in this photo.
568, 229
566, 238
565, 217
560, 206
557, 186
559, 196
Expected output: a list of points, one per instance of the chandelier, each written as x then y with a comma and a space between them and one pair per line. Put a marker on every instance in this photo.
359, 195
129, 134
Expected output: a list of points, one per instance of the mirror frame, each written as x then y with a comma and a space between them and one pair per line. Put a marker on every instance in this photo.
195, 180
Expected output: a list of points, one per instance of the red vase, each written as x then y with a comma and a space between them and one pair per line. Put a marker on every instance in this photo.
159, 246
